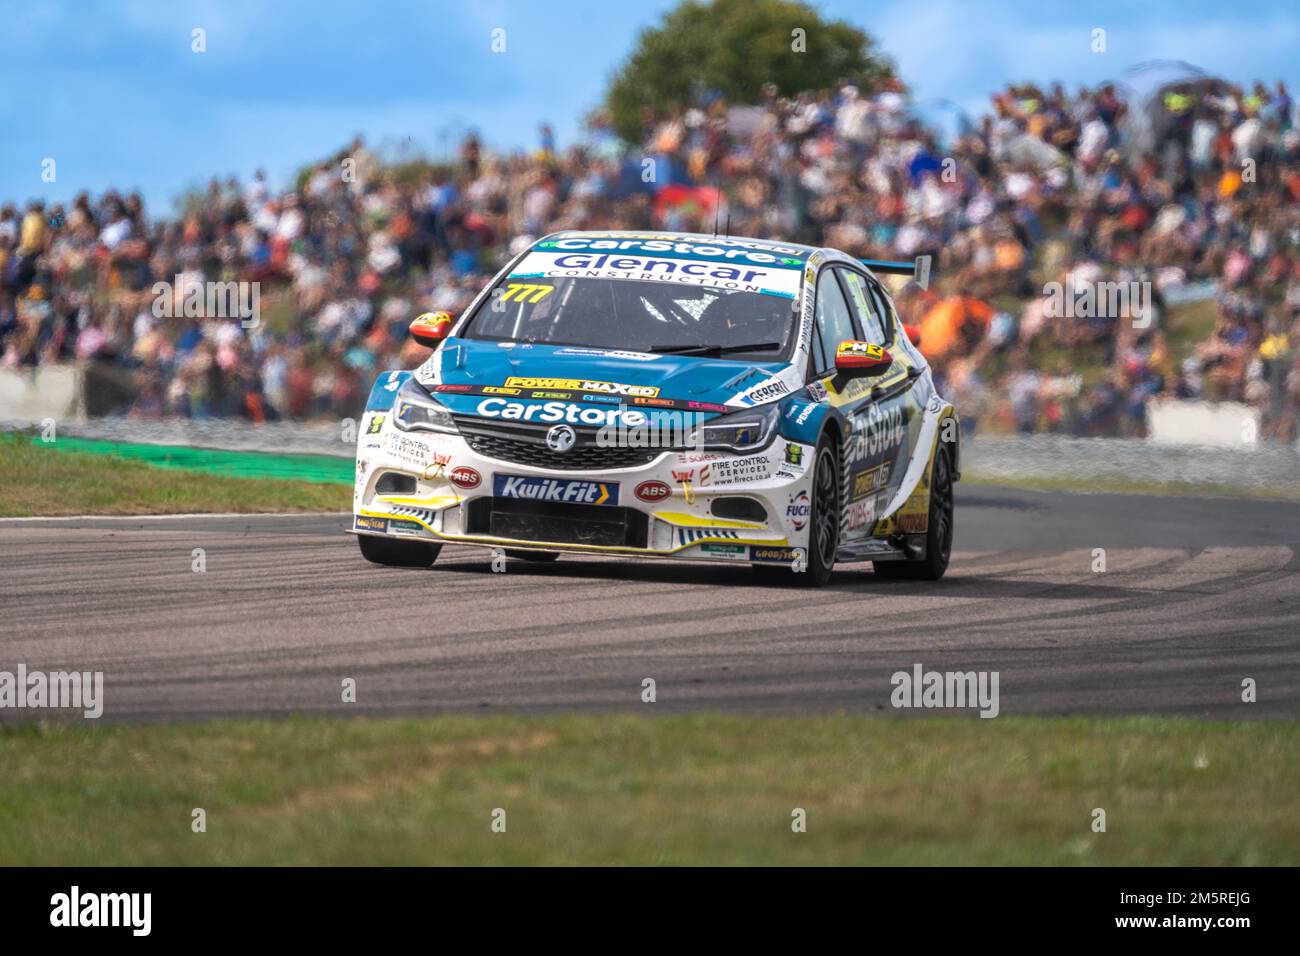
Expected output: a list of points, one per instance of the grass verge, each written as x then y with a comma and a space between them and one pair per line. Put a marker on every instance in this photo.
37, 480
675, 790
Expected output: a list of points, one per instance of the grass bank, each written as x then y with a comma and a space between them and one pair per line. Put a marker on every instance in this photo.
73, 477
675, 790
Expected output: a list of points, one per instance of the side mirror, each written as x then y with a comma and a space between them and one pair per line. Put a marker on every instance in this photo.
431, 328
913, 334
858, 359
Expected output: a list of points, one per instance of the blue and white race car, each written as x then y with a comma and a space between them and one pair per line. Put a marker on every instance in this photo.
661, 395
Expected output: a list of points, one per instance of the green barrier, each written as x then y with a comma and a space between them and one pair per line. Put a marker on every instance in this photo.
215, 461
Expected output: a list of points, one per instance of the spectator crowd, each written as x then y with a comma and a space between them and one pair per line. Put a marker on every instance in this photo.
1198, 203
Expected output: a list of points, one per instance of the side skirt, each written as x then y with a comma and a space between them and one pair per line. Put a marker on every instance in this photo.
899, 547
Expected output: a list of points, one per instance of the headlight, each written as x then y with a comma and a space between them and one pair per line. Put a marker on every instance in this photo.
417, 410
748, 430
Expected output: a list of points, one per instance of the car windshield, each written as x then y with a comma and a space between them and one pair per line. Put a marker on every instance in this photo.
638, 315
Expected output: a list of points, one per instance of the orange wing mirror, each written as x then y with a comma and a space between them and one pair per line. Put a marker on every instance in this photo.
431, 328
856, 359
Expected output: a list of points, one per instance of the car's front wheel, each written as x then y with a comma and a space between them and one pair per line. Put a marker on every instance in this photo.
398, 554
938, 536
823, 526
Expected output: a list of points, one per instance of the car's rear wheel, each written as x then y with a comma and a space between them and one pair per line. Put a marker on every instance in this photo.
938, 536
532, 555
823, 526
398, 554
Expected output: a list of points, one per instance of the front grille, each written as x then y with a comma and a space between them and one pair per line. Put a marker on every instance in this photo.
525, 444
549, 521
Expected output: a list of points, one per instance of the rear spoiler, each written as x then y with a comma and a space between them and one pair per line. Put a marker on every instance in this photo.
918, 270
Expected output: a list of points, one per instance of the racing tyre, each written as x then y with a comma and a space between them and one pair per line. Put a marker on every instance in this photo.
823, 523
938, 538
532, 555
398, 554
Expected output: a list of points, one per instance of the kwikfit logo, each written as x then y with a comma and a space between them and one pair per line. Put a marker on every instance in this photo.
554, 489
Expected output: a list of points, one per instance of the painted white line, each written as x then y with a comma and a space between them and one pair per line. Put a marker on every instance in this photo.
224, 514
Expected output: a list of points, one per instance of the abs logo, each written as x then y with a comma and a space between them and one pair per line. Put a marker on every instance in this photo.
799, 510
465, 477
652, 491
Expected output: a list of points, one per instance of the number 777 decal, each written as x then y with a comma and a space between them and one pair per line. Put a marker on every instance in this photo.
521, 291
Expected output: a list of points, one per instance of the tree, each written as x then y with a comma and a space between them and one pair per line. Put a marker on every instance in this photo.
734, 47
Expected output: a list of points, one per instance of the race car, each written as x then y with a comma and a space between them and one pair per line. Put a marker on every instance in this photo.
667, 395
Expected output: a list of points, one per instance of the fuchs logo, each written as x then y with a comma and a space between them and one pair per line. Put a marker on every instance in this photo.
653, 491
798, 511
465, 477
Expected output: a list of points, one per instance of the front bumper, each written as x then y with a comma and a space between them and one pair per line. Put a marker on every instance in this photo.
713, 506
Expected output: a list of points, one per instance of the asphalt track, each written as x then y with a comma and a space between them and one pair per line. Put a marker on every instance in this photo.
1198, 593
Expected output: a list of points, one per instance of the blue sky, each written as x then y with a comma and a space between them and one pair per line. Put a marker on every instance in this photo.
113, 93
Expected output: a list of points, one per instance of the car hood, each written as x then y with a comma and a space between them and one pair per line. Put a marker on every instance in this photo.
462, 373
